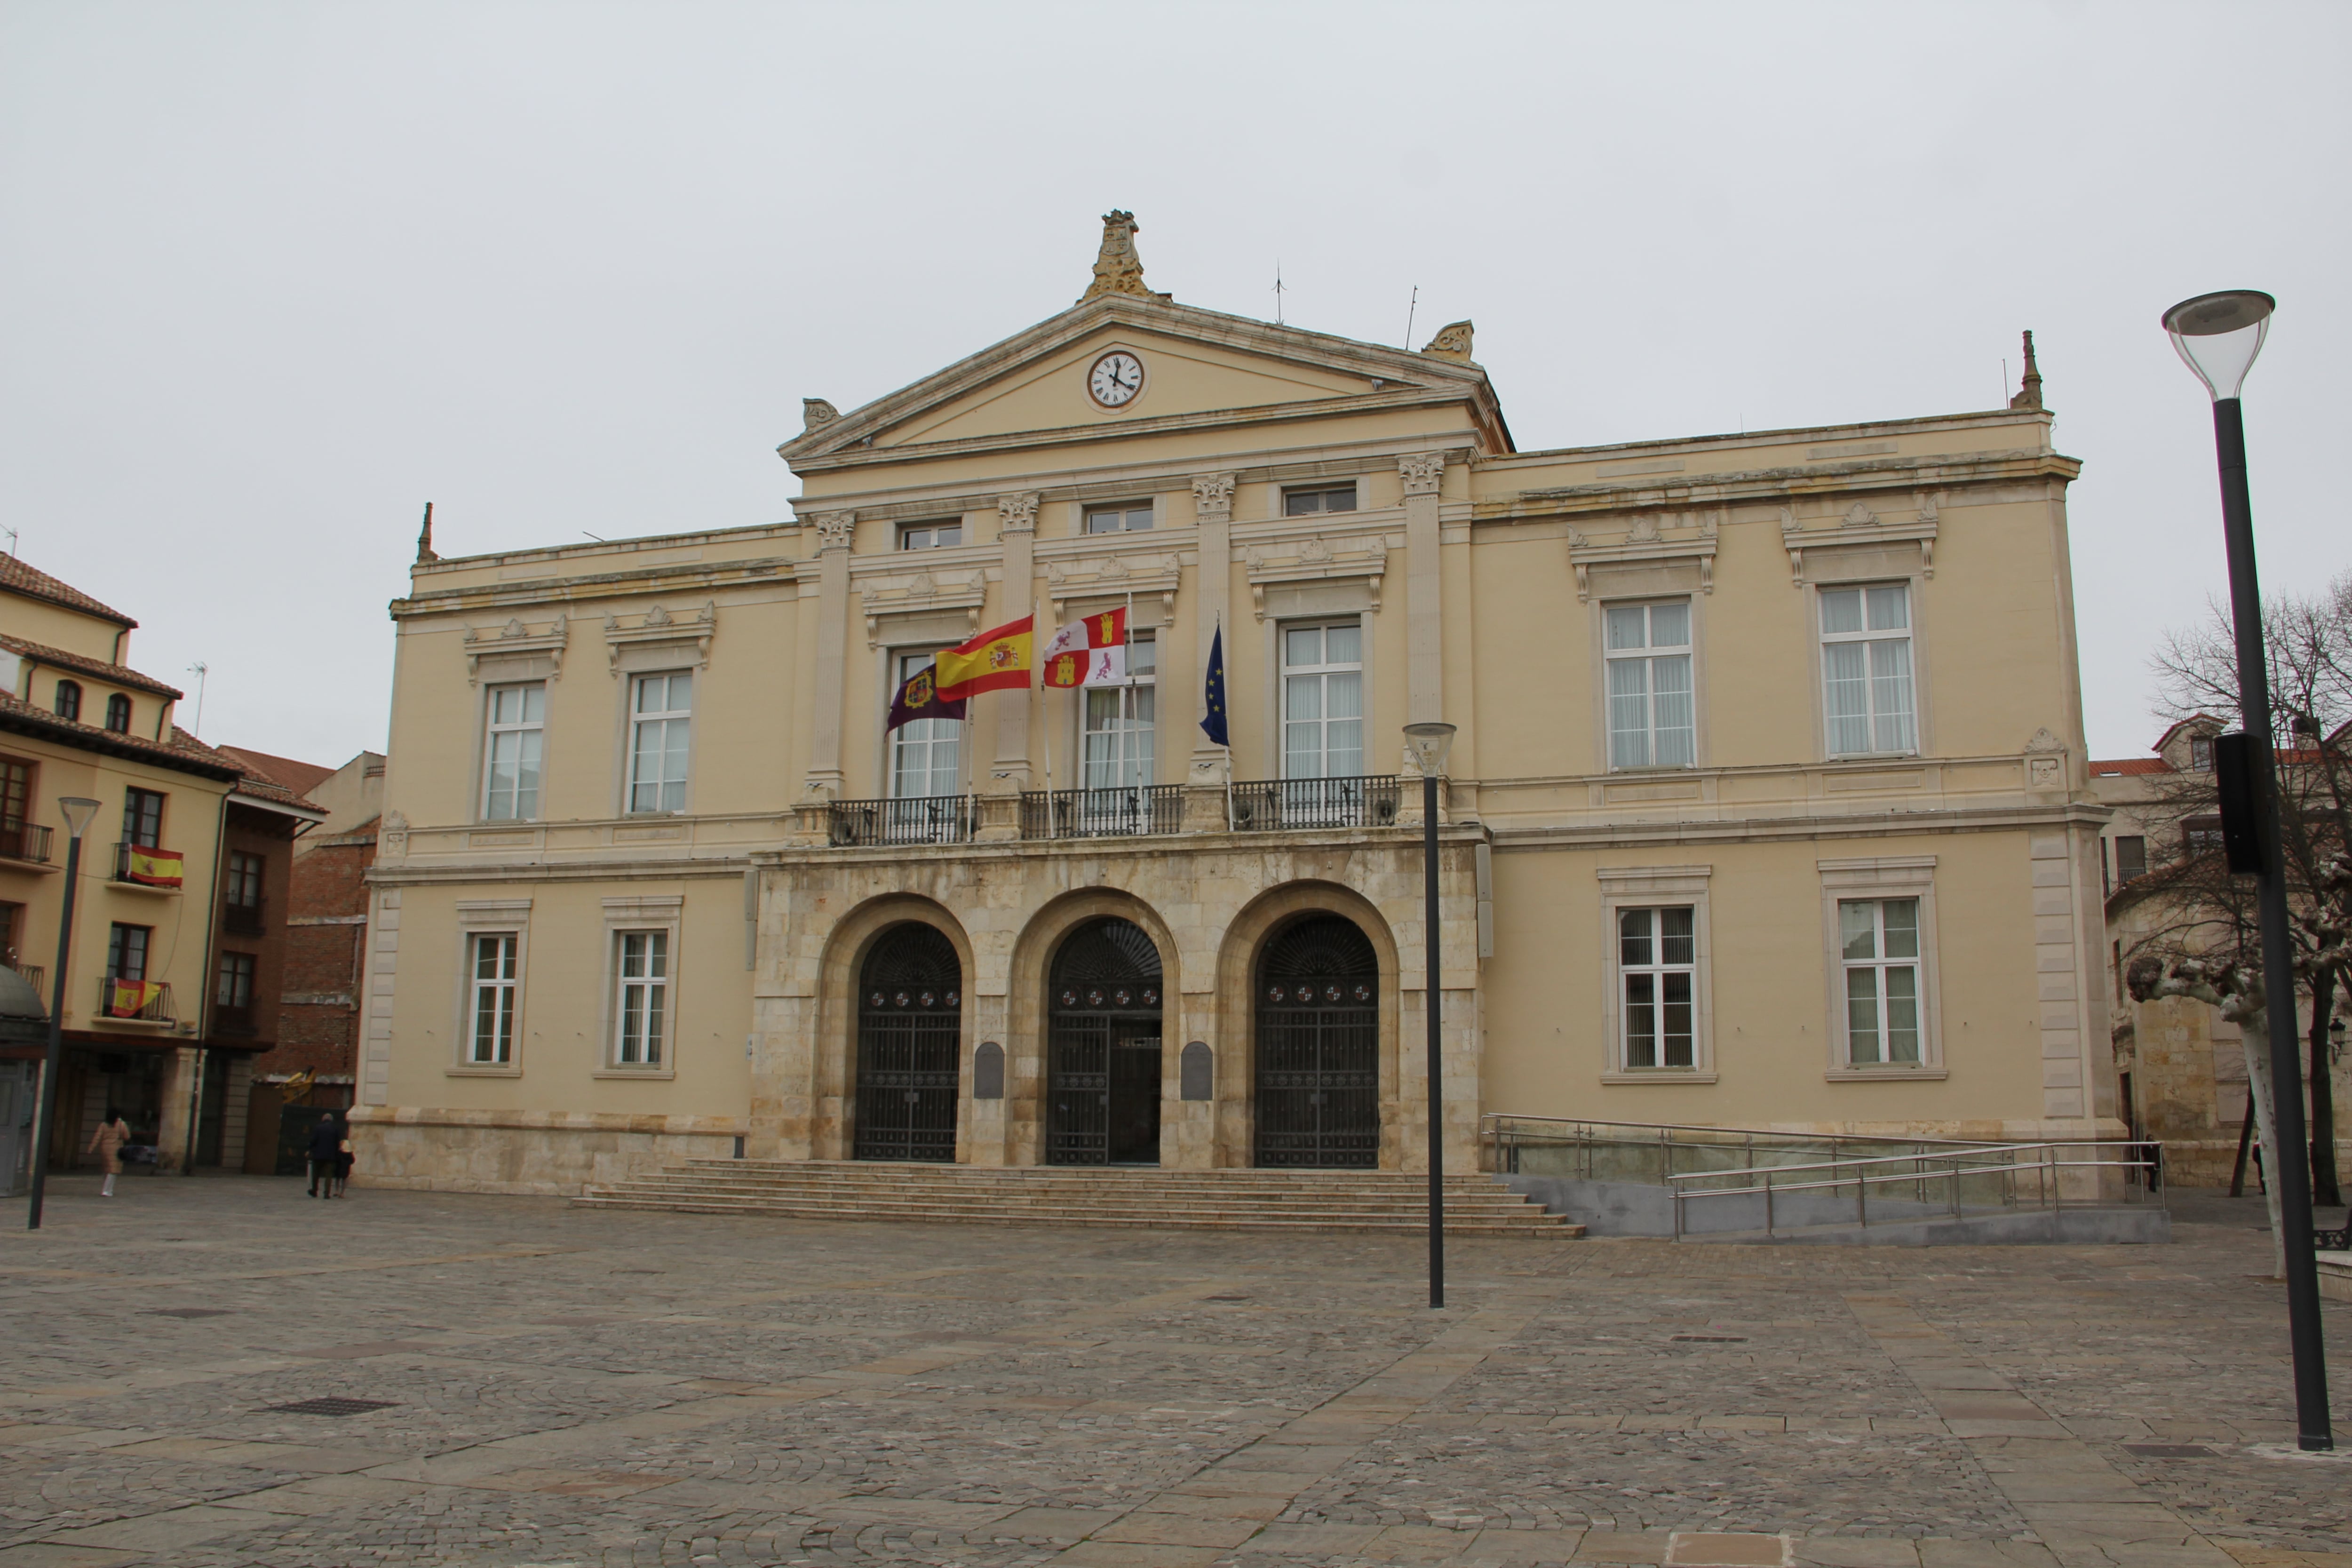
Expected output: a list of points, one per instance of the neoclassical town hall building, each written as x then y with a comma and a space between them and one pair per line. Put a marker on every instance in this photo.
1767, 806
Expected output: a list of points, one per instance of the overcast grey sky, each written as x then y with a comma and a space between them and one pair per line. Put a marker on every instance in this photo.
273, 275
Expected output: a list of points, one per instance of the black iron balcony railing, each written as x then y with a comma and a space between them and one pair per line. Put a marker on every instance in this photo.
914, 819
233, 1022
1269, 805
25, 841
135, 1001
1122, 813
36, 977
242, 919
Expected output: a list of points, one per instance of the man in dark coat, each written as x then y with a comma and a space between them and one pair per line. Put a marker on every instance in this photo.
326, 1154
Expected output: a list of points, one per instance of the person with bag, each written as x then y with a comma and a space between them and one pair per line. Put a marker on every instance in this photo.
326, 1154
107, 1144
343, 1163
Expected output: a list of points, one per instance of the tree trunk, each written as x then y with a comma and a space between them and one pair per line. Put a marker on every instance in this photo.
2324, 1189
2256, 1030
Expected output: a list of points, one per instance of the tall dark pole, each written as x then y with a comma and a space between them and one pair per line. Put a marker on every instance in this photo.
1436, 1092
2290, 1166
50, 1063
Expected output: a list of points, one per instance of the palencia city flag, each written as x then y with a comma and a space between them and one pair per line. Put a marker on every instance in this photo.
995, 660
155, 868
1092, 652
919, 697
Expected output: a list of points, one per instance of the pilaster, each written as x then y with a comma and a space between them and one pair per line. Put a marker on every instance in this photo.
1212, 515
1423, 473
834, 530
1017, 534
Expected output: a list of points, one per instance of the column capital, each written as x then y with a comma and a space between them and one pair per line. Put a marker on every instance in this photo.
1017, 513
835, 530
1423, 472
1212, 496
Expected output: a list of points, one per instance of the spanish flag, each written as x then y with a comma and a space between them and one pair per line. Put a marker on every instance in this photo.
995, 660
129, 998
155, 868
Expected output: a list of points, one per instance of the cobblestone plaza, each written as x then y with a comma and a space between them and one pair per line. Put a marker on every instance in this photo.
541, 1386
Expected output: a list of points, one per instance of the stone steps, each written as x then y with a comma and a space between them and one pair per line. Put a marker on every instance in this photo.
1299, 1201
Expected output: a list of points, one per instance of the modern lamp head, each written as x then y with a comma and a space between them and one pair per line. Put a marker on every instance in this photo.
1430, 744
2218, 336
79, 812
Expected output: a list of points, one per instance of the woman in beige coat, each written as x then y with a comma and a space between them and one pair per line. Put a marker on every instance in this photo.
107, 1144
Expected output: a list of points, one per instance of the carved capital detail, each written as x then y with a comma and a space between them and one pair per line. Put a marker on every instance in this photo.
833, 530
1017, 513
1212, 496
1421, 473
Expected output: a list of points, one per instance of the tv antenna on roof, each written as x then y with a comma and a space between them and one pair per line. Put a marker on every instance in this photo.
1278, 292
12, 539
1411, 306
199, 669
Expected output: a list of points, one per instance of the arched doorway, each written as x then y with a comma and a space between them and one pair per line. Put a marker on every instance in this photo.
909, 1035
1319, 1034
1102, 1048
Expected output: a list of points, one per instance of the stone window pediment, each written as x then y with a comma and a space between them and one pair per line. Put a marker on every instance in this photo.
1653, 539
920, 593
517, 641
1362, 558
660, 627
1111, 578
1861, 526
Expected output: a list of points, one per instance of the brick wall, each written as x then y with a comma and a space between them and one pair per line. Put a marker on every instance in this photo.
326, 931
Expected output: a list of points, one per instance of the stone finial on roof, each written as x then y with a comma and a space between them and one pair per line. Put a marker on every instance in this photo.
816, 413
424, 538
1119, 269
2029, 395
1452, 342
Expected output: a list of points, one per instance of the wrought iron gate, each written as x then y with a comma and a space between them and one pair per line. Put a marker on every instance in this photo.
1318, 1035
909, 1032
1102, 1057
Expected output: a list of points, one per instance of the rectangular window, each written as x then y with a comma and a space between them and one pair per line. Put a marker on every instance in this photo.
2131, 858
1657, 963
939, 535
1318, 499
2200, 835
1651, 717
1866, 670
644, 1010
927, 756
126, 952
244, 880
1323, 701
12, 927
1123, 517
517, 723
1120, 723
490, 1030
15, 792
2200, 753
235, 983
142, 818
1880, 949
660, 722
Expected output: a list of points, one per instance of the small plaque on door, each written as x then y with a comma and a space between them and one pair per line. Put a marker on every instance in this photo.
1195, 1071
988, 1071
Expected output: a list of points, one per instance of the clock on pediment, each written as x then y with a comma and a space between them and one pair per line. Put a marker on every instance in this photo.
1115, 379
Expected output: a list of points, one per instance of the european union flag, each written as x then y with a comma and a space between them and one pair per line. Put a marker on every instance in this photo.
1213, 716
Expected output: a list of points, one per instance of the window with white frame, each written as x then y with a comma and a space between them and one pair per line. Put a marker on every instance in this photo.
1880, 951
491, 1012
1657, 971
1323, 700
1652, 722
661, 722
1866, 670
510, 752
1312, 498
926, 755
1120, 517
942, 534
641, 1012
1121, 721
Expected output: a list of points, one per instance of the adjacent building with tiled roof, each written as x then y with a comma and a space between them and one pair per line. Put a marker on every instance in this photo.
15, 577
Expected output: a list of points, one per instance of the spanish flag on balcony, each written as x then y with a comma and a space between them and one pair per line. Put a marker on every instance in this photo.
129, 998
155, 868
995, 660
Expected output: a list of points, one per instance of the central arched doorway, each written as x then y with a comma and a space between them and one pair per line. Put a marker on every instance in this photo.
1318, 1047
1102, 1051
909, 1035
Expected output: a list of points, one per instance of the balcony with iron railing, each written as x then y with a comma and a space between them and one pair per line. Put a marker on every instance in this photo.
134, 1002
27, 841
908, 819
1268, 805
242, 919
126, 874
232, 1022
1128, 812
34, 976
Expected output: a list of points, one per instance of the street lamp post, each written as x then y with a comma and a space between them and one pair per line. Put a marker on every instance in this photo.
78, 814
2218, 336
1430, 742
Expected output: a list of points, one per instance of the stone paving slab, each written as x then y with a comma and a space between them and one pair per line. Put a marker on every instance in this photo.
577, 1389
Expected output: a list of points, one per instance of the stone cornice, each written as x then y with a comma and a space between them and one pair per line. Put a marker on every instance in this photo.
1771, 486
1618, 833
698, 578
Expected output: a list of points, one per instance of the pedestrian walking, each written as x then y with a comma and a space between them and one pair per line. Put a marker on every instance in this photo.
326, 1157
107, 1144
344, 1162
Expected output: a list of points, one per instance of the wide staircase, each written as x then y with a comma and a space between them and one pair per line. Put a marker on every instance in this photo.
1197, 1200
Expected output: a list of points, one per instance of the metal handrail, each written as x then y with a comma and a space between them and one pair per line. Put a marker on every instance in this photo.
1741, 1131
2142, 1157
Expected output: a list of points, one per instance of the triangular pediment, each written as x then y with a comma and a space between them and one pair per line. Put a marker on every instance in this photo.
1197, 366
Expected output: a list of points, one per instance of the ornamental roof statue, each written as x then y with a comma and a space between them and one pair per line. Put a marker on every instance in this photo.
1119, 271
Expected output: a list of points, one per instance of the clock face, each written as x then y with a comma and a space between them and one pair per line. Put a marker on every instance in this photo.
1115, 379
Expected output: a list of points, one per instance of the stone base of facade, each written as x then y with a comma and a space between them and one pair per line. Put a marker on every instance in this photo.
541, 1153
2206, 1162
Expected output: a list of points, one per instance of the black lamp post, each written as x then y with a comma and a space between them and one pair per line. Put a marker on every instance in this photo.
78, 814
2218, 336
1430, 742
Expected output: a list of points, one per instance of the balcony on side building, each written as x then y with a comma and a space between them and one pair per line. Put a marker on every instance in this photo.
908, 819
134, 1002
231, 1022
35, 977
147, 866
242, 919
25, 841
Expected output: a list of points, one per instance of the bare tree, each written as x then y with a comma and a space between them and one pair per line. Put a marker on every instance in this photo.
2209, 914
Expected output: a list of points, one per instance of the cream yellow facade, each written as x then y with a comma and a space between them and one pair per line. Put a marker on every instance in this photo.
1868, 711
